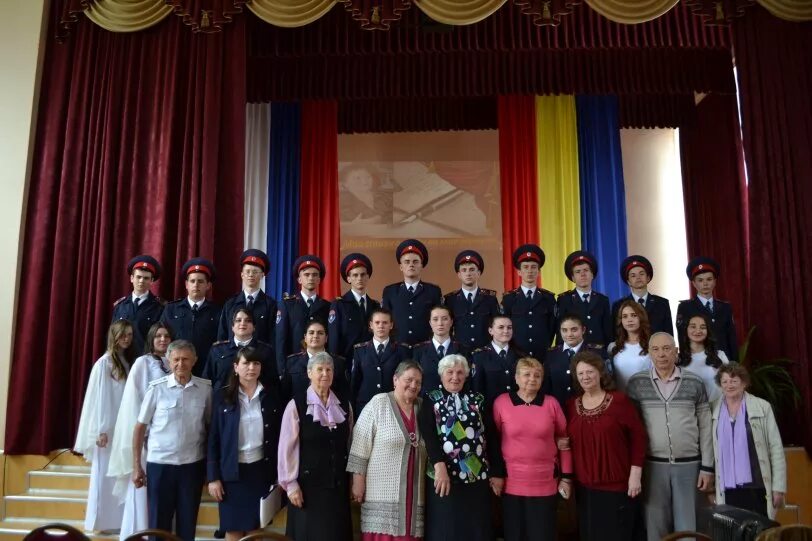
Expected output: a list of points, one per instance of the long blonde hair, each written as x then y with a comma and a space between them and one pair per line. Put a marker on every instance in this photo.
121, 359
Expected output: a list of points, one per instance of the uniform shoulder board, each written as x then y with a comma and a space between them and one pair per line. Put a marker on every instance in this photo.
202, 381
477, 350
407, 346
685, 300
594, 346
119, 301
555, 348
489, 292
451, 293
511, 292
422, 343
546, 291
156, 382
288, 297
339, 298
220, 342
179, 299
161, 301
565, 293
361, 344
293, 355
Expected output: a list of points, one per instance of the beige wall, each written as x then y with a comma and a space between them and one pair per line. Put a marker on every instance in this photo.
21, 46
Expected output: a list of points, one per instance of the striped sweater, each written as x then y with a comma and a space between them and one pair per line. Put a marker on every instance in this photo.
679, 428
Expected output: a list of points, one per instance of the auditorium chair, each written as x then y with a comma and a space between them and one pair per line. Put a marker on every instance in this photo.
262, 534
686, 535
156, 533
795, 532
56, 532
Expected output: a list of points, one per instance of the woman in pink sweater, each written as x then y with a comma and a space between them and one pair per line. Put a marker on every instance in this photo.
527, 467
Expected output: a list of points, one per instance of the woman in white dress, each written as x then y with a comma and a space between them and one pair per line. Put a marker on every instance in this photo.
96, 426
629, 351
698, 353
146, 368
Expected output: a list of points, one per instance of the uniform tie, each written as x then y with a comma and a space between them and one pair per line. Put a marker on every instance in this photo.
503, 354
136, 302
586, 298
470, 297
411, 290
570, 353
362, 305
250, 301
380, 349
530, 294
310, 302
642, 301
709, 306
194, 308
441, 351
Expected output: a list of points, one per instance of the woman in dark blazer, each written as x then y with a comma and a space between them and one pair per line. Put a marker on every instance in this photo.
243, 441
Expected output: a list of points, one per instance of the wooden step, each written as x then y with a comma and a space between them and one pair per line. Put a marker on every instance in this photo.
59, 478
16, 528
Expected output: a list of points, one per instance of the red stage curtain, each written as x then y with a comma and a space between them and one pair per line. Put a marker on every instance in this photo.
775, 81
318, 203
715, 197
518, 178
139, 149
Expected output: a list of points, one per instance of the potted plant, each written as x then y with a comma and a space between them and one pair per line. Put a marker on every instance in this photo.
770, 380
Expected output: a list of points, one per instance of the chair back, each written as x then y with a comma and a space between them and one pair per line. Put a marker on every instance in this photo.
794, 532
56, 532
259, 535
685, 535
157, 533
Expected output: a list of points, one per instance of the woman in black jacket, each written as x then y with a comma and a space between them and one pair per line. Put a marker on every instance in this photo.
243, 441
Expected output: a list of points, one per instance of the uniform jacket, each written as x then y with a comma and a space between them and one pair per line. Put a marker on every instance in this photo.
724, 330
658, 310
558, 381
493, 375
347, 325
597, 315
264, 312
471, 320
142, 318
292, 320
219, 364
534, 323
199, 328
425, 354
296, 380
411, 311
372, 375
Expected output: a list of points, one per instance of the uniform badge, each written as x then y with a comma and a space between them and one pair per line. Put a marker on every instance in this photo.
278, 316
331, 316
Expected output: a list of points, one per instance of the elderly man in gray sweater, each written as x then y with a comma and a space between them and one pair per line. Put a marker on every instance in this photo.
675, 408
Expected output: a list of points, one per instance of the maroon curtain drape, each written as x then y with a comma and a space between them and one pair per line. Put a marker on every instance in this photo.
139, 149
517, 183
775, 83
715, 197
319, 231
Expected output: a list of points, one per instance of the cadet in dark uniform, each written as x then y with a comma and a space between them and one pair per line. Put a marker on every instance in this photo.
429, 353
411, 300
295, 374
637, 271
703, 273
220, 361
494, 365
531, 308
374, 362
471, 305
557, 377
593, 307
296, 311
194, 317
255, 265
141, 307
348, 319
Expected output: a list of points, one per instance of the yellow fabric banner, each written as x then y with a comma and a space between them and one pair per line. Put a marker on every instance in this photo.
632, 11
791, 10
559, 204
459, 12
290, 13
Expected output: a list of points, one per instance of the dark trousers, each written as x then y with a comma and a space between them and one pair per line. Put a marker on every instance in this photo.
529, 518
752, 499
175, 492
605, 515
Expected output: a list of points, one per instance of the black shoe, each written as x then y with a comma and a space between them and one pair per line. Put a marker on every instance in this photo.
219, 535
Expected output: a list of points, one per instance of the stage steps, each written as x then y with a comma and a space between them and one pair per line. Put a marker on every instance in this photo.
57, 492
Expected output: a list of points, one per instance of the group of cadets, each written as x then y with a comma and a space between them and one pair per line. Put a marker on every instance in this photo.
413, 320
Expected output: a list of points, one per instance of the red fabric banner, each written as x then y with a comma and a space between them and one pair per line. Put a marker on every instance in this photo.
715, 197
318, 201
775, 82
139, 149
518, 178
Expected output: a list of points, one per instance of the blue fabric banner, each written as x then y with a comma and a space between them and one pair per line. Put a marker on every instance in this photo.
603, 196
283, 196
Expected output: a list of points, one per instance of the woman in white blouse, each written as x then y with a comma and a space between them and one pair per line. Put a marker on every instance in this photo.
629, 352
698, 353
96, 425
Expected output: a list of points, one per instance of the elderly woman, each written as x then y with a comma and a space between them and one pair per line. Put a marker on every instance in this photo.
387, 460
243, 439
146, 368
94, 437
751, 470
459, 506
529, 423
313, 446
608, 442
698, 353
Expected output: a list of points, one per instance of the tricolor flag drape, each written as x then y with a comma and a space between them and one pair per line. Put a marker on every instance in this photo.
562, 184
291, 188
